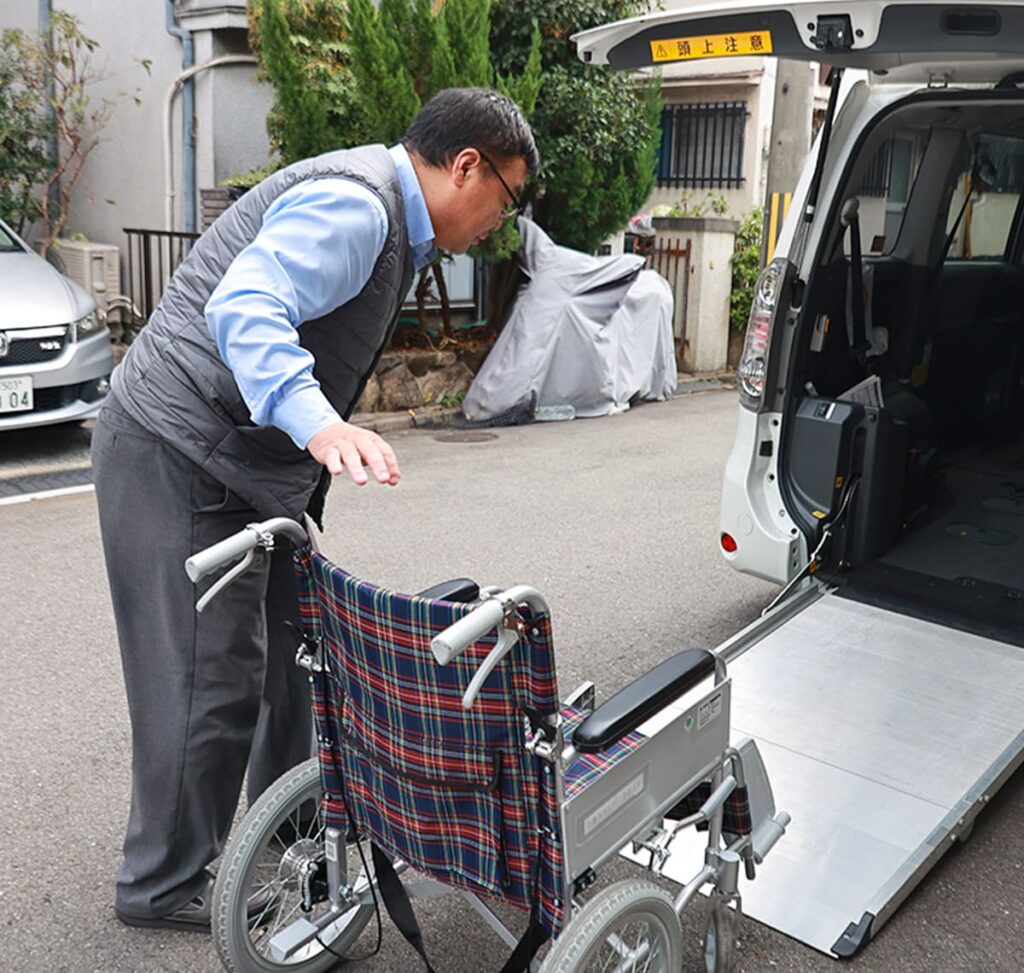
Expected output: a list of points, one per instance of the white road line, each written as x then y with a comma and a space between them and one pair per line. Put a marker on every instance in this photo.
46, 494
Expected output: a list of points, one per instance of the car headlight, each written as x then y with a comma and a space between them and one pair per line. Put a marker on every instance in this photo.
86, 326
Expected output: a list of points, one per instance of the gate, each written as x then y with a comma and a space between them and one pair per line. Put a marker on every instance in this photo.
670, 257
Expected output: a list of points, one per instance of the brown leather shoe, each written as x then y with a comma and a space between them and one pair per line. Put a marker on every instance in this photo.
194, 916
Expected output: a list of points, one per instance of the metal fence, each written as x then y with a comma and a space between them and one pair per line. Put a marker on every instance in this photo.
671, 257
153, 256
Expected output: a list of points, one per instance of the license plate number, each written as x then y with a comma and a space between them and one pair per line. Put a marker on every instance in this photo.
15, 394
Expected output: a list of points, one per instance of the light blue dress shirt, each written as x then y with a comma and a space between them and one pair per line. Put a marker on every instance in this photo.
315, 251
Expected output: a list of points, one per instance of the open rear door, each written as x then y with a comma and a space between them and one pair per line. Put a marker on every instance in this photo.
884, 734
911, 40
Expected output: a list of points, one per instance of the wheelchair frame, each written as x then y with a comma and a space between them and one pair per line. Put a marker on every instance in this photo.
621, 805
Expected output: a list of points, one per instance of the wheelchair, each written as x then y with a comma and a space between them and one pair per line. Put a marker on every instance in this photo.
443, 743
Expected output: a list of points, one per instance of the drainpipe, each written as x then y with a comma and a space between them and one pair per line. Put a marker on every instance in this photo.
188, 109
184, 80
53, 196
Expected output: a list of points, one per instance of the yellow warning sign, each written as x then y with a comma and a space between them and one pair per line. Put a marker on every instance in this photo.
712, 45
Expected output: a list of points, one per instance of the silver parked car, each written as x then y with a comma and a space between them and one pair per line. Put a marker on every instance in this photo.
55, 352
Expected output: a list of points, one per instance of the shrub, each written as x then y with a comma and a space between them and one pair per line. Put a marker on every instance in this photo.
746, 264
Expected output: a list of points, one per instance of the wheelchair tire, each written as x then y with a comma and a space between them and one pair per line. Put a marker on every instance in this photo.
259, 861
635, 912
720, 939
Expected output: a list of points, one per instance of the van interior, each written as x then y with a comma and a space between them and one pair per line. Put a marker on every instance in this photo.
905, 416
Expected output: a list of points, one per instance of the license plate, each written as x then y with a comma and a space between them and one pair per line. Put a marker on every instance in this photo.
712, 45
15, 394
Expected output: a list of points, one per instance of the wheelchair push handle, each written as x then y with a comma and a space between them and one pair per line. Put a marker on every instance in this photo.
457, 637
499, 611
489, 614
221, 554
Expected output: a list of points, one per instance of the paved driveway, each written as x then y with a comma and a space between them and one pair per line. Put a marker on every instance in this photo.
615, 520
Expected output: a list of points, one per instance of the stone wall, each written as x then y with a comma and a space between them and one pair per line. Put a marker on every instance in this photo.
411, 380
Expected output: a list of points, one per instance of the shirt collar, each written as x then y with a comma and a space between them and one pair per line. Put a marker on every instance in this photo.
417, 218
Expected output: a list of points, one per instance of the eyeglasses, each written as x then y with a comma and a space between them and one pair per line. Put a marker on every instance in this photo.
517, 205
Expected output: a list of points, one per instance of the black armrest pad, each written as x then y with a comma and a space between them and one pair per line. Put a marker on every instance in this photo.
458, 589
642, 698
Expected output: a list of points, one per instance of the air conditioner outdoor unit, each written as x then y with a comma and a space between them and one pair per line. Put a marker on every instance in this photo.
96, 267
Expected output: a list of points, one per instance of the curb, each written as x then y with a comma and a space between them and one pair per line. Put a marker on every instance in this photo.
438, 417
428, 417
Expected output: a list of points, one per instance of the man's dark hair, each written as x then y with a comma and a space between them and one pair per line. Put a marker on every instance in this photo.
471, 118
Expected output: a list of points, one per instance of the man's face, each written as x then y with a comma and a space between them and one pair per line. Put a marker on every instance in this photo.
473, 202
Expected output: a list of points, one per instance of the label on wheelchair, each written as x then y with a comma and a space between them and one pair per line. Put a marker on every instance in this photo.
621, 797
709, 710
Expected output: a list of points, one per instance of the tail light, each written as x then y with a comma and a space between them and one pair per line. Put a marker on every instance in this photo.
754, 360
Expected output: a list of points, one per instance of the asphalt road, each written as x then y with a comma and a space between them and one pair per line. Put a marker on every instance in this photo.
615, 520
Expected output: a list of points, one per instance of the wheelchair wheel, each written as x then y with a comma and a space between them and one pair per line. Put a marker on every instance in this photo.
720, 938
260, 886
630, 926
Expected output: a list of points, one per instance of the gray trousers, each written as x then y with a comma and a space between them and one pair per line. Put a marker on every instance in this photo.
209, 695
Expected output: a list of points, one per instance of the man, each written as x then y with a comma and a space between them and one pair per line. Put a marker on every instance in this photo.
231, 407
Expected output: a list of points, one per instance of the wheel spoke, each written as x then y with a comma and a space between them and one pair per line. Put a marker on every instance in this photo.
278, 852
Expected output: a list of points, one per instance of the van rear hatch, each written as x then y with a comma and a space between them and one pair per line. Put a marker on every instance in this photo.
910, 41
884, 734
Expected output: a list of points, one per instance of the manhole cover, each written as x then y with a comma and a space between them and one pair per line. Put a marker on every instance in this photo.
465, 436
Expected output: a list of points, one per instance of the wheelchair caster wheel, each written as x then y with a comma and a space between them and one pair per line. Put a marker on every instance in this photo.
630, 925
720, 939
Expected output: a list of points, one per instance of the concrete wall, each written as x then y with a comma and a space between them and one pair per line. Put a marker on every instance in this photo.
232, 107
748, 79
707, 288
122, 183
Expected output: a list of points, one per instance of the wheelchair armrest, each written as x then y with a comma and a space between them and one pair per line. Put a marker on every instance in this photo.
642, 699
458, 589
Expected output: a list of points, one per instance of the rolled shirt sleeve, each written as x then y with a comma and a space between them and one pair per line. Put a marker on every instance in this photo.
315, 251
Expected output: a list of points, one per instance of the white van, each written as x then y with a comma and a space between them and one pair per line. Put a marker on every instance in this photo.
878, 467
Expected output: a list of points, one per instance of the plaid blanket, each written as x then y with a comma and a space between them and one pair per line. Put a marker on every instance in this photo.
451, 792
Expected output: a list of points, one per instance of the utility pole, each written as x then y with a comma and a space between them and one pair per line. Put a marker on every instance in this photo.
790, 140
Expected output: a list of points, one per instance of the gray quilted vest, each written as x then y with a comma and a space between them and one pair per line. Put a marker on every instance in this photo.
174, 383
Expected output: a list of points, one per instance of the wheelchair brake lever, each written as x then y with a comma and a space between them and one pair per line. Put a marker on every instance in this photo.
507, 638
222, 582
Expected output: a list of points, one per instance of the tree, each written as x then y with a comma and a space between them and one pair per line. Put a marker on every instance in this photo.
23, 159
596, 129
63, 59
403, 53
304, 54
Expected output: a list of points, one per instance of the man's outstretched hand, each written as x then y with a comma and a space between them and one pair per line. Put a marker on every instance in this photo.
345, 448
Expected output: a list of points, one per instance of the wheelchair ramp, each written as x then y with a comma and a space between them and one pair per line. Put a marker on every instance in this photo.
883, 736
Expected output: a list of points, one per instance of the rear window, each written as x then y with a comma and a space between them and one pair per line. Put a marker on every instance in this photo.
884, 190
984, 195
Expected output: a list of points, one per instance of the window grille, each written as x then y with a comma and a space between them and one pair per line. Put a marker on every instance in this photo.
876, 179
702, 145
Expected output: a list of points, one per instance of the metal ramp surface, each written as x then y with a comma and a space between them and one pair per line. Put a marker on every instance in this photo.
883, 736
